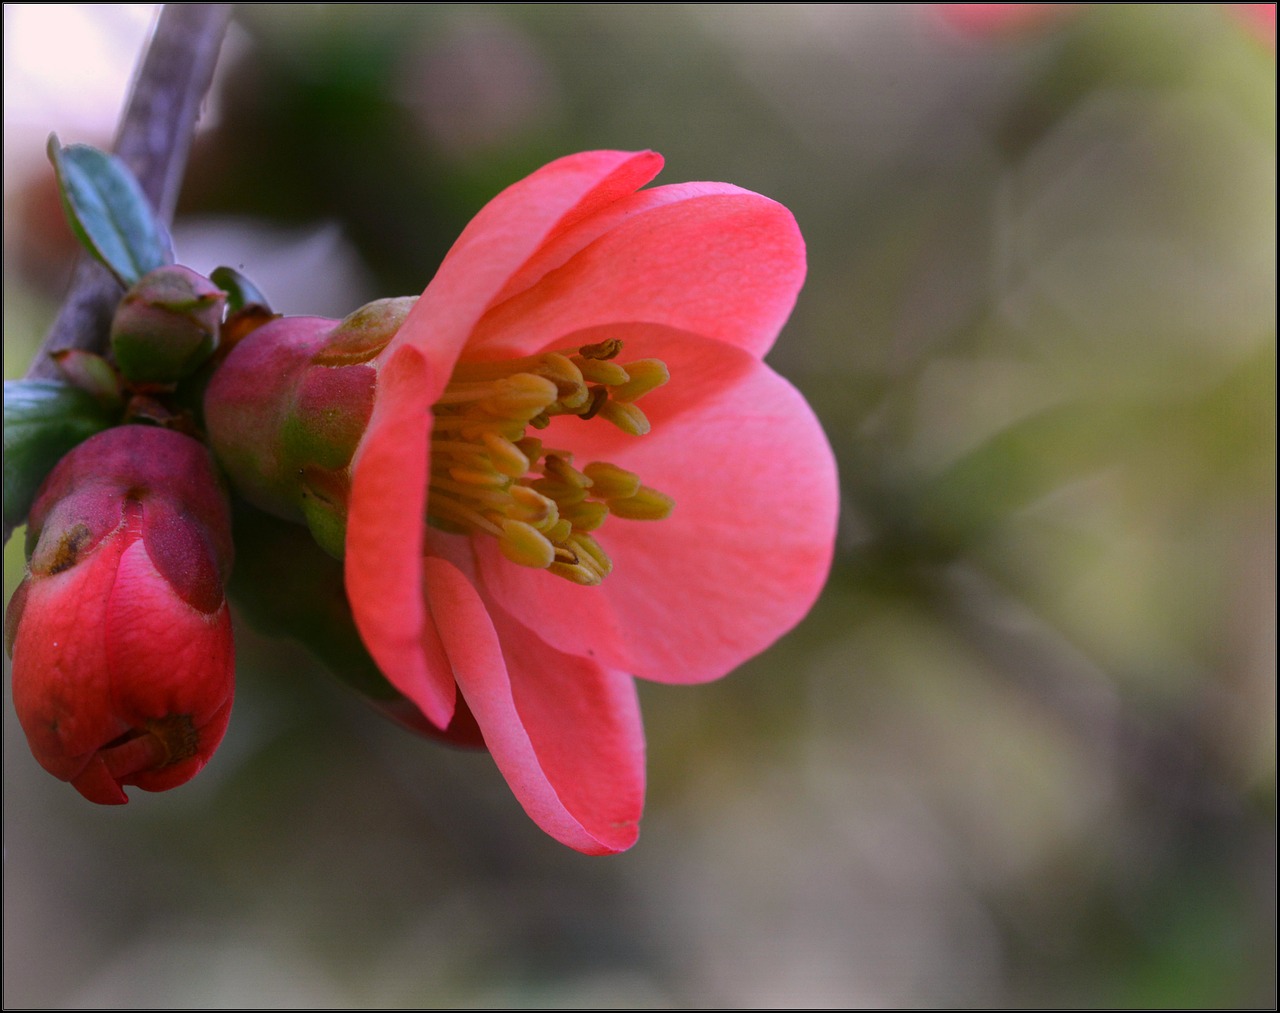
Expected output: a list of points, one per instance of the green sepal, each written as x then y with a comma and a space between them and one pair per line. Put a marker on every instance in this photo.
43, 420
108, 212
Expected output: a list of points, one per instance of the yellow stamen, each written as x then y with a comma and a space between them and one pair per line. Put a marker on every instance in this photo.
505, 455
519, 397
610, 481
626, 417
587, 515
489, 476
524, 544
531, 506
601, 371
479, 476
645, 375
557, 466
646, 505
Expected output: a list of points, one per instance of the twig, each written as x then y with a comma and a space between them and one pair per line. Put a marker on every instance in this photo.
154, 140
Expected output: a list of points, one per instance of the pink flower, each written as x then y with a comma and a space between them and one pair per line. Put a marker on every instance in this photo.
123, 669
542, 632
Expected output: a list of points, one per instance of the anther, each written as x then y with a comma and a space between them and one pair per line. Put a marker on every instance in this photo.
590, 554
531, 506
562, 492
598, 397
506, 457
610, 482
576, 573
521, 396
561, 371
489, 476
644, 375
556, 466
646, 505
479, 476
601, 371
607, 349
587, 515
524, 544
626, 417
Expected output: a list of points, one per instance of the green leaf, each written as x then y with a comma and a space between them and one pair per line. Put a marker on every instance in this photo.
241, 292
108, 211
43, 420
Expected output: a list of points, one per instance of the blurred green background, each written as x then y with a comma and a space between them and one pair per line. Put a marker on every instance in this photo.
1022, 753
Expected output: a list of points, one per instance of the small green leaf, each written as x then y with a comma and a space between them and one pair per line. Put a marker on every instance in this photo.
43, 420
241, 292
108, 211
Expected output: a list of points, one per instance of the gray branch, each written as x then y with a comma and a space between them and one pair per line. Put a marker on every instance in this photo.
154, 140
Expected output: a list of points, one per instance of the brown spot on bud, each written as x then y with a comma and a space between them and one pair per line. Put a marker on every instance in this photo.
177, 734
67, 553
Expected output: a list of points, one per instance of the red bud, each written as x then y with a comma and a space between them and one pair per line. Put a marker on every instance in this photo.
123, 666
288, 407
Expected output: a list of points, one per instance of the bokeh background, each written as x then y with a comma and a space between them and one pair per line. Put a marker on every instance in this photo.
1022, 753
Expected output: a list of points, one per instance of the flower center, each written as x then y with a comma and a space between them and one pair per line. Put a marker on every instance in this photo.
488, 476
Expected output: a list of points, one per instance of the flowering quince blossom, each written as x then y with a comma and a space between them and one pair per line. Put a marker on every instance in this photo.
123, 667
673, 516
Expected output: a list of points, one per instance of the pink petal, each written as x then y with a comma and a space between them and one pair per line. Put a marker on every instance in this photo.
165, 657
506, 232
384, 543
390, 468
565, 732
744, 554
705, 258
566, 242
61, 686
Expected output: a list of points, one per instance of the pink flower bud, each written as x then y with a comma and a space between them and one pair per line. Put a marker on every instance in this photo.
288, 407
167, 324
123, 667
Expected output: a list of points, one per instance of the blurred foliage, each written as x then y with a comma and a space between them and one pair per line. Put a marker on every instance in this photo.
1023, 751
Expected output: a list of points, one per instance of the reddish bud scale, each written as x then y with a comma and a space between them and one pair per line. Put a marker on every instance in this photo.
123, 667
287, 410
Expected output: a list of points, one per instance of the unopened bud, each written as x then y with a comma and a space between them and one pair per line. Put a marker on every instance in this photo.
123, 667
285, 412
167, 324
